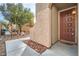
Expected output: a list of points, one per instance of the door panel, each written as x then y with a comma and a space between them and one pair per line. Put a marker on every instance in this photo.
67, 25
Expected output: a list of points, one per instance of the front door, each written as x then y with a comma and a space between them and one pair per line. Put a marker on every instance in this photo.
67, 25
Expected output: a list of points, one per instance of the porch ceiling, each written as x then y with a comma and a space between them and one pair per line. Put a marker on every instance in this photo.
61, 6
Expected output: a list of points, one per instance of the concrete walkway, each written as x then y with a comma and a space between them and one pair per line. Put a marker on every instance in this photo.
18, 48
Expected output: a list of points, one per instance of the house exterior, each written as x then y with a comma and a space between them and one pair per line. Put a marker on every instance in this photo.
48, 28
41, 32
78, 28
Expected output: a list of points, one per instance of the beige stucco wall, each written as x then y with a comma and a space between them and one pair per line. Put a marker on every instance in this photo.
41, 6
54, 24
41, 32
78, 30
76, 25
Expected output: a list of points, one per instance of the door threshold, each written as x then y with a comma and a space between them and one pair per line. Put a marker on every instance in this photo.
68, 42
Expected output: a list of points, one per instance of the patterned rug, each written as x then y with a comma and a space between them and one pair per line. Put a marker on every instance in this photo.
37, 47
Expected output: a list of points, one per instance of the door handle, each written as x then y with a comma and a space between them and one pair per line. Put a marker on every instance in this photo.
72, 33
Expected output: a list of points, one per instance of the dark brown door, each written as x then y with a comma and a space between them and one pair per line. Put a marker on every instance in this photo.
67, 25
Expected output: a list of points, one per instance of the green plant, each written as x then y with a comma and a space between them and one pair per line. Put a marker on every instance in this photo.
17, 14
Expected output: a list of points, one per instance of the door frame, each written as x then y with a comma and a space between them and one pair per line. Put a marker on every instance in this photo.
76, 26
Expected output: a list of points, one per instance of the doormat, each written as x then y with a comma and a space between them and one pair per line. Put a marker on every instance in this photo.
36, 46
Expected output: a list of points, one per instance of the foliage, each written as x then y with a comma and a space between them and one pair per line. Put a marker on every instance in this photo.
4, 24
16, 14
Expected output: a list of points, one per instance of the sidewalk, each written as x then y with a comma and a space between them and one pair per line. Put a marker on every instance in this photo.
7, 38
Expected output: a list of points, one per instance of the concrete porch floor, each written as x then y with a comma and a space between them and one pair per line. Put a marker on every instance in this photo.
19, 48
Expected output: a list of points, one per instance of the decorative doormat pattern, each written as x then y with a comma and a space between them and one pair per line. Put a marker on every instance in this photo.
37, 47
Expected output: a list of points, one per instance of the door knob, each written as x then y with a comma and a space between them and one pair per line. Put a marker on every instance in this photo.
72, 33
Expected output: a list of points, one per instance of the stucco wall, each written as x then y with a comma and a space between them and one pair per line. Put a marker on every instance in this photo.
54, 24
76, 25
41, 6
41, 32
78, 29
